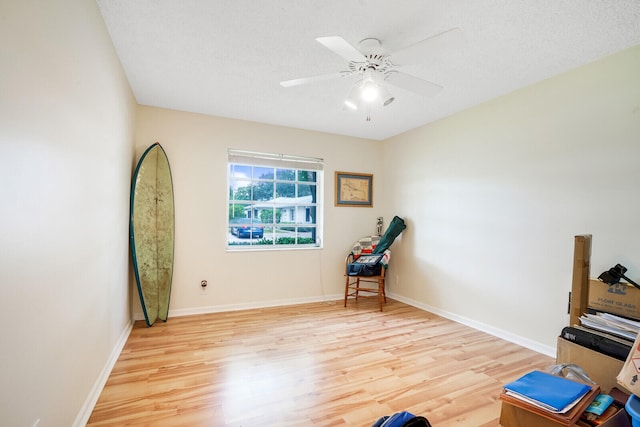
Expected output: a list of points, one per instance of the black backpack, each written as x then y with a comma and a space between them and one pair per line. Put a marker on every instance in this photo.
402, 419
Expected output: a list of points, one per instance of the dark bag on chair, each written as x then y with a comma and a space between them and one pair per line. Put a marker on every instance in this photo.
365, 265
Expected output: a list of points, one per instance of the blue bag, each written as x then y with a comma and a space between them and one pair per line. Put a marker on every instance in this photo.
401, 419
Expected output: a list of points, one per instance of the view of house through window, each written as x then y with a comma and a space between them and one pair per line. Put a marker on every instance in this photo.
273, 200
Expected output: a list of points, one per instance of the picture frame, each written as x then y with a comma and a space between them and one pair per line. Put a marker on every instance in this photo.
354, 189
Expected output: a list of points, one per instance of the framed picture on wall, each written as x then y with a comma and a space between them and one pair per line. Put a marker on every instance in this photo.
354, 189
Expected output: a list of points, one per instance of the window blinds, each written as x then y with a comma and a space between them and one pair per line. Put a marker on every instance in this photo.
275, 160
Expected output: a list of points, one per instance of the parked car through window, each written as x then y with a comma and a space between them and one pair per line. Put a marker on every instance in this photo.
246, 228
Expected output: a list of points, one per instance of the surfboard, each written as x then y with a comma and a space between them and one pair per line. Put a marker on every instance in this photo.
152, 229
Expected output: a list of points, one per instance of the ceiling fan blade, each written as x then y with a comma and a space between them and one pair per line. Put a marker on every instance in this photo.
413, 84
313, 79
342, 47
453, 38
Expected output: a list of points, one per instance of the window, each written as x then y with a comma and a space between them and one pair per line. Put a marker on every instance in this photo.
275, 201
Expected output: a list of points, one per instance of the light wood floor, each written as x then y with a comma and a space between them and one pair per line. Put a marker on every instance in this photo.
315, 364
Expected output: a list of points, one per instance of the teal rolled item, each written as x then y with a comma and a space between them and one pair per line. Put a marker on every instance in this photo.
395, 228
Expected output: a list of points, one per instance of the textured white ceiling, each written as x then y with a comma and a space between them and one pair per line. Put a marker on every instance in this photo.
226, 57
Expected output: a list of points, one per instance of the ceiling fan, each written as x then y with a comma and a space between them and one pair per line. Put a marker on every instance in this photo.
376, 69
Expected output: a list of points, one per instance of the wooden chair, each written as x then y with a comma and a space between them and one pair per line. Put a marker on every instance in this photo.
371, 285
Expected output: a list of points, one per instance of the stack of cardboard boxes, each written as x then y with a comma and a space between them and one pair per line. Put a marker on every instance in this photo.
586, 294
619, 299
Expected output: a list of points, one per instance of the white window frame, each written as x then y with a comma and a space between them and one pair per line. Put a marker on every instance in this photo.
272, 239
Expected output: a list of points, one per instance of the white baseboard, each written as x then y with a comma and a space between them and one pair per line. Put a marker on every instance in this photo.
245, 306
505, 335
86, 410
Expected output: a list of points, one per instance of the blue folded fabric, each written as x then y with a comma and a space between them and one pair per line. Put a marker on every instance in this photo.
550, 391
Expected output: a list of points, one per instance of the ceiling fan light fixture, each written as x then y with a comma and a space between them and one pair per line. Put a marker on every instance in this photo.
351, 103
354, 98
369, 90
385, 96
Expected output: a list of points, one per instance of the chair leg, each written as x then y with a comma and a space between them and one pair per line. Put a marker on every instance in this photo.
355, 286
346, 291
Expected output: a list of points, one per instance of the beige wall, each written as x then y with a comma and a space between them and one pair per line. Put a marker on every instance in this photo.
197, 149
494, 196
66, 153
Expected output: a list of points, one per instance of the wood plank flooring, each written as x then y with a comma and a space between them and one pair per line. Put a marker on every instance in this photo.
310, 365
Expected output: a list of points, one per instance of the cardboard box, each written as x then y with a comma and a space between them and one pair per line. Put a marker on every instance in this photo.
620, 299
601, 368
628, 376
